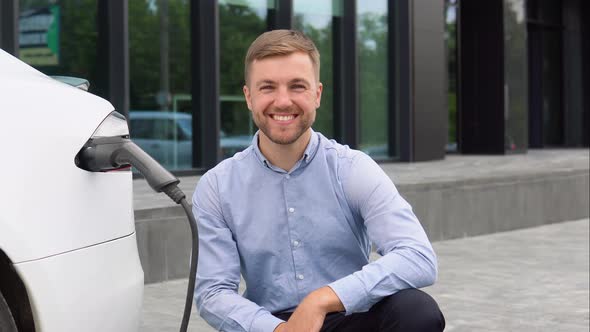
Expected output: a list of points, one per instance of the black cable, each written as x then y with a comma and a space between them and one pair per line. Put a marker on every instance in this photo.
193, 269
161, 180
180, 198
107, 153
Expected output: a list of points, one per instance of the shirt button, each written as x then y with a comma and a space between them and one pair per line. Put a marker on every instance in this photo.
295, 243
300, 277
291, 210
288, 176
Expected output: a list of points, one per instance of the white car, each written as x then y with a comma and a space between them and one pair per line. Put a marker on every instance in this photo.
68, 251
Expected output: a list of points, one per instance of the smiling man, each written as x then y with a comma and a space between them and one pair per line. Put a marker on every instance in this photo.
295, 214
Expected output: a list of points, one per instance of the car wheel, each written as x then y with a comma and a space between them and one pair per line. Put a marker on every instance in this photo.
6, 321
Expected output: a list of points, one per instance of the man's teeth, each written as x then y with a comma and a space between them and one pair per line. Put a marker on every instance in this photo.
284, 117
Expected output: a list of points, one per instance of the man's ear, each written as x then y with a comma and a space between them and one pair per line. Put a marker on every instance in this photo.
318, 98
248, 96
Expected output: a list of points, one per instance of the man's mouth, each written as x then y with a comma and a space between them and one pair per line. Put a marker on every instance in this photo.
283, 117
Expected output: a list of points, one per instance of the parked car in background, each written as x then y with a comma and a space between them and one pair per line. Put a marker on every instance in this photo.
68, 250
231, 145
167, 137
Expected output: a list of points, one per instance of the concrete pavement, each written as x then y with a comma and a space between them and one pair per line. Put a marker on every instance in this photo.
534, 279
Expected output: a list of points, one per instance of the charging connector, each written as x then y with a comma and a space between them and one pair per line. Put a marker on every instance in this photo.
103, 154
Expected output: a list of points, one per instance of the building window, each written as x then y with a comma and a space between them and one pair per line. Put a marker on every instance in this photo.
160, 82
240, 22
315, 19
60, 38
516, 76
372, 36
451, 50
546, 55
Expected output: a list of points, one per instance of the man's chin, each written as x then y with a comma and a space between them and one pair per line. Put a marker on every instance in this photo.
284, 138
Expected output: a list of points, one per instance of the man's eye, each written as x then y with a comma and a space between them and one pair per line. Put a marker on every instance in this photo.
266, 87
298, 87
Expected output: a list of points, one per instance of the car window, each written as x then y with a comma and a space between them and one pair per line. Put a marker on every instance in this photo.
186, 128
163, 129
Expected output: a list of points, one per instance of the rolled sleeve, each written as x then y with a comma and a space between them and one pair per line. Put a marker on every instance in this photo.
352, 294
265, 322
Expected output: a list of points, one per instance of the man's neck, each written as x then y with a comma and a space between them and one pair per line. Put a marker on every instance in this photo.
284, 156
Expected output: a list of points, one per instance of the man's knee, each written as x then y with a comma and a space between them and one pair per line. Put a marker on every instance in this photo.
412, 310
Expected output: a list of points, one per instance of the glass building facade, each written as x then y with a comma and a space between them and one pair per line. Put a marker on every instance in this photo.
391, 70
43, 44
451, 55
372, 36
515, 76
160, 100
240, 22
316, 20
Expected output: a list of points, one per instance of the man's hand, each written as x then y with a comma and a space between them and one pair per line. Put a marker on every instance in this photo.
309, 315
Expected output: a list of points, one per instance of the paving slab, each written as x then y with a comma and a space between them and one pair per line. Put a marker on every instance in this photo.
534, 279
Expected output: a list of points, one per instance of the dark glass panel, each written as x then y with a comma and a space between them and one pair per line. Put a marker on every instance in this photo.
160, 82
451, 51
515, 73
314, 18
240, 22
60, 38
373, 62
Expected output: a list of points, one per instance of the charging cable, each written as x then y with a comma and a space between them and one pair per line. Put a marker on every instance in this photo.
104, 154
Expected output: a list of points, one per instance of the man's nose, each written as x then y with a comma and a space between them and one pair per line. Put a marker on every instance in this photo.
283, 99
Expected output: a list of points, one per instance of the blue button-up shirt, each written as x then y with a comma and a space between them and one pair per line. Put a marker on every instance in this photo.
291, 232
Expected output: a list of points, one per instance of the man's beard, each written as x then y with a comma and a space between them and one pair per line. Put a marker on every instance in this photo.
302, 127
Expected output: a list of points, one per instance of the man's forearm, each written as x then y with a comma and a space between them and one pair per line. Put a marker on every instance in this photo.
310, 314
326, 299
229, 311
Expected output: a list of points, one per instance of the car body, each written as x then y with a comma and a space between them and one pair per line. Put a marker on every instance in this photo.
68, 252
167, 137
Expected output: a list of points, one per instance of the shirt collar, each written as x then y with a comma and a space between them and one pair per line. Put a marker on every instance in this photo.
308, 155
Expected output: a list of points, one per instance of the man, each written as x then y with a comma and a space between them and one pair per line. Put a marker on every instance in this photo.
295, 213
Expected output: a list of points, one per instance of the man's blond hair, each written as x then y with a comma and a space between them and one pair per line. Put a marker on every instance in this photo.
281, 42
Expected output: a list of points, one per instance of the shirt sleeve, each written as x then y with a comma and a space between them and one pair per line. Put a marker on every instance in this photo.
408, 260
218, 272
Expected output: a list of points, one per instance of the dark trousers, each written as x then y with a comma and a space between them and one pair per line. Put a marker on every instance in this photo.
408, 310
